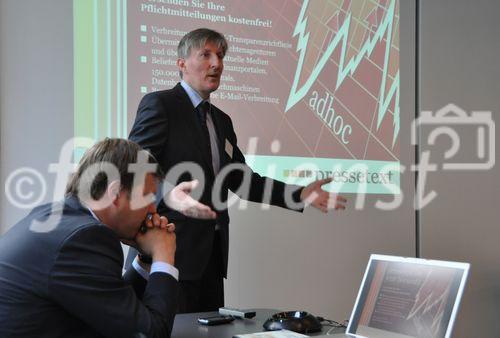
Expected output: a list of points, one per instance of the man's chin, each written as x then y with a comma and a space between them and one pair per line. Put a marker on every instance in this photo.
213, 84
209, 88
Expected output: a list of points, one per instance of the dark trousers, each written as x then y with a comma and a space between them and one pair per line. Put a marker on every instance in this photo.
207, 293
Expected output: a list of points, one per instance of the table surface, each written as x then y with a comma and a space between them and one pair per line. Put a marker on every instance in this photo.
186, 325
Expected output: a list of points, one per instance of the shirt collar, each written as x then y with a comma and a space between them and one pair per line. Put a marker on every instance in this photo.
193, 94
75, 203
93, 214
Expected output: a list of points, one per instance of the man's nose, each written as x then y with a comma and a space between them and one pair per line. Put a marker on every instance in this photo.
216, 62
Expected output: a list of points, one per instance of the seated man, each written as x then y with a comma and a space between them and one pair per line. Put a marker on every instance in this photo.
61, 266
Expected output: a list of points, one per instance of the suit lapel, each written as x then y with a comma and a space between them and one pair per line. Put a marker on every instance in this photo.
193, 126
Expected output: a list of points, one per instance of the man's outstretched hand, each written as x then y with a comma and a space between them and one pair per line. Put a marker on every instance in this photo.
179, 199
313, 194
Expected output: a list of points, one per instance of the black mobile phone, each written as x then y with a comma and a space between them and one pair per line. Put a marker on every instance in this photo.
215, 320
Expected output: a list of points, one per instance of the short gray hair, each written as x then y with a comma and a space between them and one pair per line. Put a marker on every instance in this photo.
197, 39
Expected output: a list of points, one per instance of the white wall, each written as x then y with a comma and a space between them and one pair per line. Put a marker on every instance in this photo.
36, 95
459, 48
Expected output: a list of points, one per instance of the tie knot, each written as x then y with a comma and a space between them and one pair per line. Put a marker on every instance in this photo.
203, 109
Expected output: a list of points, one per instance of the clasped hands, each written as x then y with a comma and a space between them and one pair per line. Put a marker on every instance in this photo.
155, 238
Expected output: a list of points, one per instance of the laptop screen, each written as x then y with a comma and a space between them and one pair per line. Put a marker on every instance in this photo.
408, 297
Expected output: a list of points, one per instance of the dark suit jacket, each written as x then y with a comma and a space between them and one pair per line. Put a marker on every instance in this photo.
166, 124
68, 282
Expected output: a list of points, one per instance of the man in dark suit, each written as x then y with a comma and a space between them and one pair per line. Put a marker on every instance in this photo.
182, 128
61, 266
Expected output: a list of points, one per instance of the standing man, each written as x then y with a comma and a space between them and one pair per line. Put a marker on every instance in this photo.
61, 266
180, 125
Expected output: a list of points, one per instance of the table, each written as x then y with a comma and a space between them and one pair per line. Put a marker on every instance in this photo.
186, 325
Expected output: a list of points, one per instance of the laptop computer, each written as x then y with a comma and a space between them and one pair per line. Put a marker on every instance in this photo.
404, 297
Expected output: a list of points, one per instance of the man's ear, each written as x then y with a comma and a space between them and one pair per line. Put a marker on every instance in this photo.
113, 191
181, 64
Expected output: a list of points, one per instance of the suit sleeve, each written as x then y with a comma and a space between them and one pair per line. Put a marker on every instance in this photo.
86, 280
262, 189
133, 278
150, 126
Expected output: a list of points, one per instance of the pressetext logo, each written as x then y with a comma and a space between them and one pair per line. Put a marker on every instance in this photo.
344, 176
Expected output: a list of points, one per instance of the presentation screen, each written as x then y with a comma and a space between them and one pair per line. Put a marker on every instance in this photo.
312, 87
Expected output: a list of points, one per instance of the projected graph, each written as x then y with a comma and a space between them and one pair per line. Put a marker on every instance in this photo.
348, 66
348, 55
